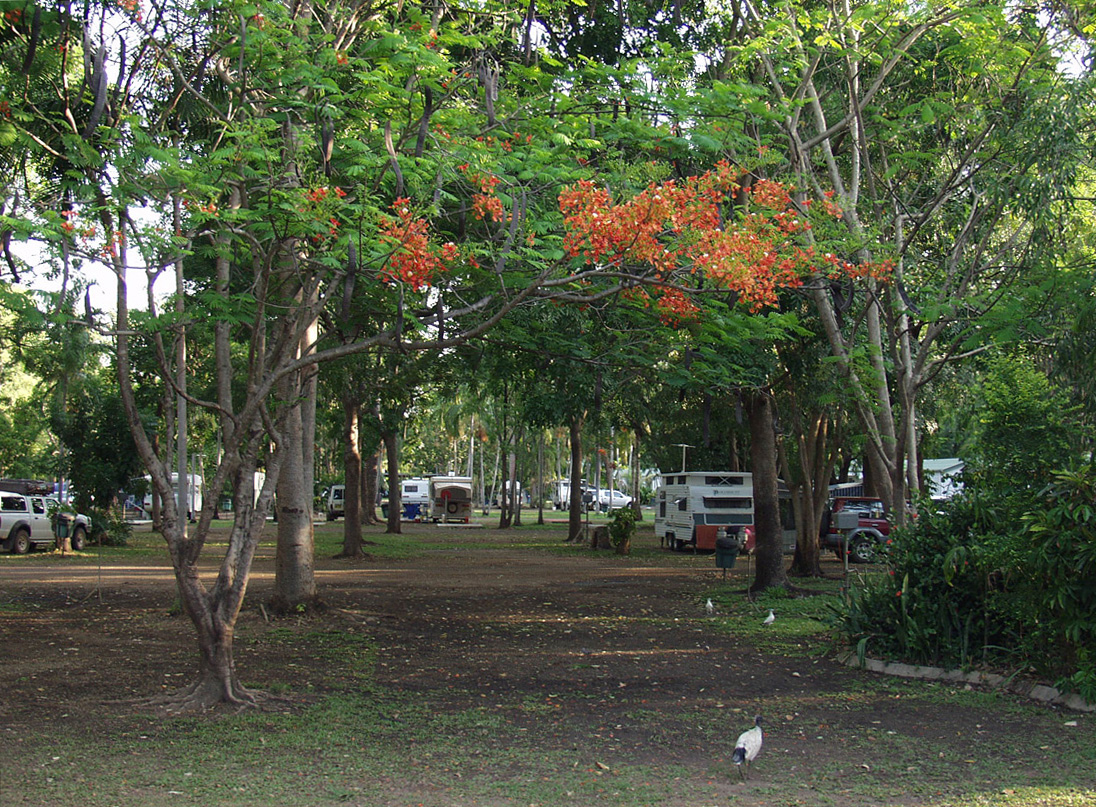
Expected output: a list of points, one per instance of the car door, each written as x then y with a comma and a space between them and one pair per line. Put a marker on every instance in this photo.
40, 528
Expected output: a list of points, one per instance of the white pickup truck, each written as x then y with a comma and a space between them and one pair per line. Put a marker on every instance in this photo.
25, 522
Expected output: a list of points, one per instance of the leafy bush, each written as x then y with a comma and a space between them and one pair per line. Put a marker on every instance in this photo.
109, 527
1063, 575
978, 583
622, 527
946, 574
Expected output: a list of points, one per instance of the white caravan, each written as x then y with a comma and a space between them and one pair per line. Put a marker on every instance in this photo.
691, 506
193, 494
451, 499
415, 498
561, 494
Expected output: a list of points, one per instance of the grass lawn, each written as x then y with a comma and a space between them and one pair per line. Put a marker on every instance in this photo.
499, 668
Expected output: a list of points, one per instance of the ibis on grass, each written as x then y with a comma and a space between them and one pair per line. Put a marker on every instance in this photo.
748, 747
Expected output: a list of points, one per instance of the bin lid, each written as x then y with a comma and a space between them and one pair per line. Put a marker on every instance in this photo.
726, 543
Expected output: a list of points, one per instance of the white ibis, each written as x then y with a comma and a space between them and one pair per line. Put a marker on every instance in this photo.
748, 747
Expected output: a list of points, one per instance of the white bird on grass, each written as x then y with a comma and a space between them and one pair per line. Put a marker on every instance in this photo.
709, 607
748, 747
770, 619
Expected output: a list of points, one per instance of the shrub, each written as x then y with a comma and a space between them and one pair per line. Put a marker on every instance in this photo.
950, 577
109, 527
622, 526
976, 583
1063, 575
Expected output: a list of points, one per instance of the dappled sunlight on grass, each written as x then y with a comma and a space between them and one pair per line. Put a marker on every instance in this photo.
1024, 797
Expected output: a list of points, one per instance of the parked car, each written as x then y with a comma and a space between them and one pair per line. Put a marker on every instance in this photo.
612, 499
870, 531
334, 502
79, 528
25, 522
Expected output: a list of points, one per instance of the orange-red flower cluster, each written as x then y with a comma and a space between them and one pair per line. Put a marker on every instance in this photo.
674, 307
132, 6
413, 259
676, 226
485, 204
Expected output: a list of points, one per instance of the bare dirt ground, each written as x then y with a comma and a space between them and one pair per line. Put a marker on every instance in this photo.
599, 638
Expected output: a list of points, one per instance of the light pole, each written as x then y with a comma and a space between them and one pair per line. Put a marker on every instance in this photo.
684, 447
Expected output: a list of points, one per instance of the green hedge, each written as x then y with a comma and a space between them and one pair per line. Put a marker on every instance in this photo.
986, 582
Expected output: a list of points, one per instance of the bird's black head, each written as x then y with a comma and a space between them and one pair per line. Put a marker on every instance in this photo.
757, 720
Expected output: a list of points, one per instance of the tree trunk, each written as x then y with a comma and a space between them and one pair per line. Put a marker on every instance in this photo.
768, 547
294, 561
370, 475
395, 492
540, 476
810, 492
214, 611
294, 578
502, 492
576, 505
515, 493
489, 493
217, 680
352, 491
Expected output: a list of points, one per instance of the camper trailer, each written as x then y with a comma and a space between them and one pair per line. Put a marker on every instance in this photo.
691, 506
193, 495
451, 499
415, 498
561, 494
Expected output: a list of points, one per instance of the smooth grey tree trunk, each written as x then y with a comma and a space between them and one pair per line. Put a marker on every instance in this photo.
576, 505
768, 548
352, 472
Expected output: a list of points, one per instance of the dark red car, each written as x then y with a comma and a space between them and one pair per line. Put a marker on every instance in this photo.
871, 529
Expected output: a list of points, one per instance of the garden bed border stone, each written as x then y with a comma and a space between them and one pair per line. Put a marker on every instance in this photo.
1035, 691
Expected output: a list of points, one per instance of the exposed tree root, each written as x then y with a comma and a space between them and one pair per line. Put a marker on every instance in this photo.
207, 694
359, 555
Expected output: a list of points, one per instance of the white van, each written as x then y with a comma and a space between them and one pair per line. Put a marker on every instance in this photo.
334, 504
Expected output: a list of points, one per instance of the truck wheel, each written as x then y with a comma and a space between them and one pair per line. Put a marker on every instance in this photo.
861, 551
20, 542
79, 539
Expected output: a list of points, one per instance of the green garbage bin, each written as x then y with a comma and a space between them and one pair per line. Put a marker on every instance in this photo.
726, 552
62, 525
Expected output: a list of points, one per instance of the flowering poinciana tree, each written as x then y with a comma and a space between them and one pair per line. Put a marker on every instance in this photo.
674, 237
335, 181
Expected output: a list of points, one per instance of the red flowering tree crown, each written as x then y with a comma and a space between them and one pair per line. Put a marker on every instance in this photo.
675, 233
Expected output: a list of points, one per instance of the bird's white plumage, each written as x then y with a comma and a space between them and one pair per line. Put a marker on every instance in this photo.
748, 746
709, 607
770, 619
